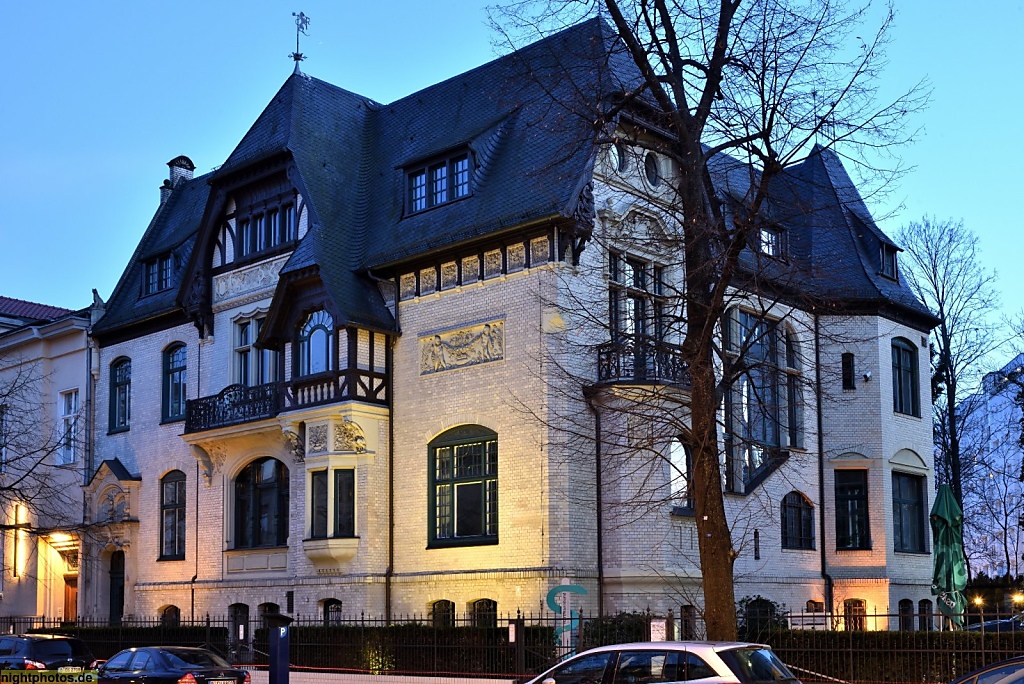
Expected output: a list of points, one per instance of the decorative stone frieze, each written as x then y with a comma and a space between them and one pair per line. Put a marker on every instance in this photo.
242, 285
465, 347
348, 436
317, 438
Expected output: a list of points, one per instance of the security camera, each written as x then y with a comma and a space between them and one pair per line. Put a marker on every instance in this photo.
867, 376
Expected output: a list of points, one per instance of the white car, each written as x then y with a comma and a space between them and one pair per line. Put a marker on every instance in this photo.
709, 662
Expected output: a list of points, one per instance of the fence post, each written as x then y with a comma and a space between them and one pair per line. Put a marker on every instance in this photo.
670, 627
520, 625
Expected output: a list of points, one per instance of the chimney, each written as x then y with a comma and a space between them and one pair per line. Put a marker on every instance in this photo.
165, 191
181, 170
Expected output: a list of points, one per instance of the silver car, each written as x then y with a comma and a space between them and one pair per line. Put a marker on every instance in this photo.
709, 662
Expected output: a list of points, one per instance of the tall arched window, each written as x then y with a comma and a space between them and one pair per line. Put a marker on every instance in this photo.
797, 522
170, 616
175, 358
172, 516
485, 613
924, 615
680, 464
905, 397
906, 608
332, 612
442, 613
120, 395
463, 491
261, 505
855, 613
316, 346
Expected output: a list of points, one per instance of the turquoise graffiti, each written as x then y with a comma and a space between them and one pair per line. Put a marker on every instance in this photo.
567, 635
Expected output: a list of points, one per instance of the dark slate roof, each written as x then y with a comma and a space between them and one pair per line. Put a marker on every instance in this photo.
533, 154
30, 312
117, 469
173, 230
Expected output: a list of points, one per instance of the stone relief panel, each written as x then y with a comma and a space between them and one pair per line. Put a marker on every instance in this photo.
492, 263
244, 283
465, 347
349, 436
539, 251
428, 281
317, 437
407, 286
449, 275
516, 257
470, 270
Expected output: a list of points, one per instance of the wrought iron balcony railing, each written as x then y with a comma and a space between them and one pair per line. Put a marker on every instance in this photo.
234, 405
642, 360
238, 404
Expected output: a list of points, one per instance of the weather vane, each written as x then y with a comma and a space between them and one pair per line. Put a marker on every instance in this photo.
301, 24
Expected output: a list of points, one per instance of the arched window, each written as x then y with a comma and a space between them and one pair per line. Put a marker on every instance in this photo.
170, 616
175, 358
680, 464
316, 346
905, 397
463, 491
442, 613
906, 608
238, 614
855, 613
120, 395
172, 516
261, 504
924, 615
332, 612
797, 522
265, 609
485, 613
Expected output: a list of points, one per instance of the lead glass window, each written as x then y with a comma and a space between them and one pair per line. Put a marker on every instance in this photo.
464, 487
316, 344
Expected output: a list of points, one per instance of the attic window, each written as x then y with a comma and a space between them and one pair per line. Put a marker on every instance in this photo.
266, 230
438, 183
158, 274
888, 261
769, 242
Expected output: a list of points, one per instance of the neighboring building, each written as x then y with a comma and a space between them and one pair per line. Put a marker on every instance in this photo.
44, 400
993, 486
332, 377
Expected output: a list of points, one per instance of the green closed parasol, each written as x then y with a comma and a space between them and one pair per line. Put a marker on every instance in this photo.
949, 576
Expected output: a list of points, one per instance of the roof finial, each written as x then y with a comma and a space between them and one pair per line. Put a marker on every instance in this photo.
301, 24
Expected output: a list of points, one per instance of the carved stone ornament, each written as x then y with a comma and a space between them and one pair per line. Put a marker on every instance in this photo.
492, 263
516, 257
428, 281
449, 275
317, 435
349, 436
407, 286
584, 214
471, 270
244, 281
296, 437
211, 457
538, 251
459, 348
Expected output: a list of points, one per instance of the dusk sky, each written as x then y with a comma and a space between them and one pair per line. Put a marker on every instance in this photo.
99, 96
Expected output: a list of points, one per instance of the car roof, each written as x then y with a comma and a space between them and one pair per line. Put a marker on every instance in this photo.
661, 645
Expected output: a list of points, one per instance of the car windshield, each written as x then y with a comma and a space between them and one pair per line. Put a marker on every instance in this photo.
186, 658
754, 665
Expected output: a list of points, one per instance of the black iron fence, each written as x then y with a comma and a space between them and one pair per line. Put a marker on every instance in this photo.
819, 646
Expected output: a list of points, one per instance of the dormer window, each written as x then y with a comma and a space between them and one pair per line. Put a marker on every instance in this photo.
158, 274
888, 261
266, 230
769, 242
438, 183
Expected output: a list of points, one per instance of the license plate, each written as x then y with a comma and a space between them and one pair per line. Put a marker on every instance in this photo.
220, 681
69, 669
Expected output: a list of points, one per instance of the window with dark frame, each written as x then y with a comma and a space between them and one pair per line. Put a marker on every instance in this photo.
797, 522
316, 344
636, 299
888, 265
485, 613
438, 183
253, 366
172, 516
120, 395
770, 242
680, 466
906, 613
905, 397
344, 502
908, 513
849, 370
175, 376
158, 274
851, 489
261, 505
855, 613
69, 427
332, 612
464, 487
442, 613
265, 231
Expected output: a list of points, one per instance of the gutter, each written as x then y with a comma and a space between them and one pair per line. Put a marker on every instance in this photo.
588, 393
821, 462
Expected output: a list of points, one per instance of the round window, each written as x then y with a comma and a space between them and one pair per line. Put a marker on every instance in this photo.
651, 169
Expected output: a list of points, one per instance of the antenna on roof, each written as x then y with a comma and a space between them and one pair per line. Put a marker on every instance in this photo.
301, 24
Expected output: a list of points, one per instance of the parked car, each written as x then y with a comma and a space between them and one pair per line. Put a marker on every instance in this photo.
44, 652
1014, 624
671, 661
170, 665
1005, 672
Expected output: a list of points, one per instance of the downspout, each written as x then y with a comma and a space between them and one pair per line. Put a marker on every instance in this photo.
195, 576
389, 362
588, 394
821, 462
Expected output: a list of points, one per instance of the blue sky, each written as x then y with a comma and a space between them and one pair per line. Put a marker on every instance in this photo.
99, 96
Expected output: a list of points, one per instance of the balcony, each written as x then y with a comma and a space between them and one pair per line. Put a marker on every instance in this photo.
642, 360
239, 404
234, 405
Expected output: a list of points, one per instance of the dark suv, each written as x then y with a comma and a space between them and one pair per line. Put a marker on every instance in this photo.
44, 652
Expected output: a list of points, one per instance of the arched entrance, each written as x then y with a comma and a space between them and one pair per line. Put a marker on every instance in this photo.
116, 587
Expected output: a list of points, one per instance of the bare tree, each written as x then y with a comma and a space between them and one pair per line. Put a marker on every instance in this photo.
944, 270
731, 94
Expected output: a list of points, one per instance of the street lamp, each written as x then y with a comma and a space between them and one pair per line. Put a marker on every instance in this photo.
980, 603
